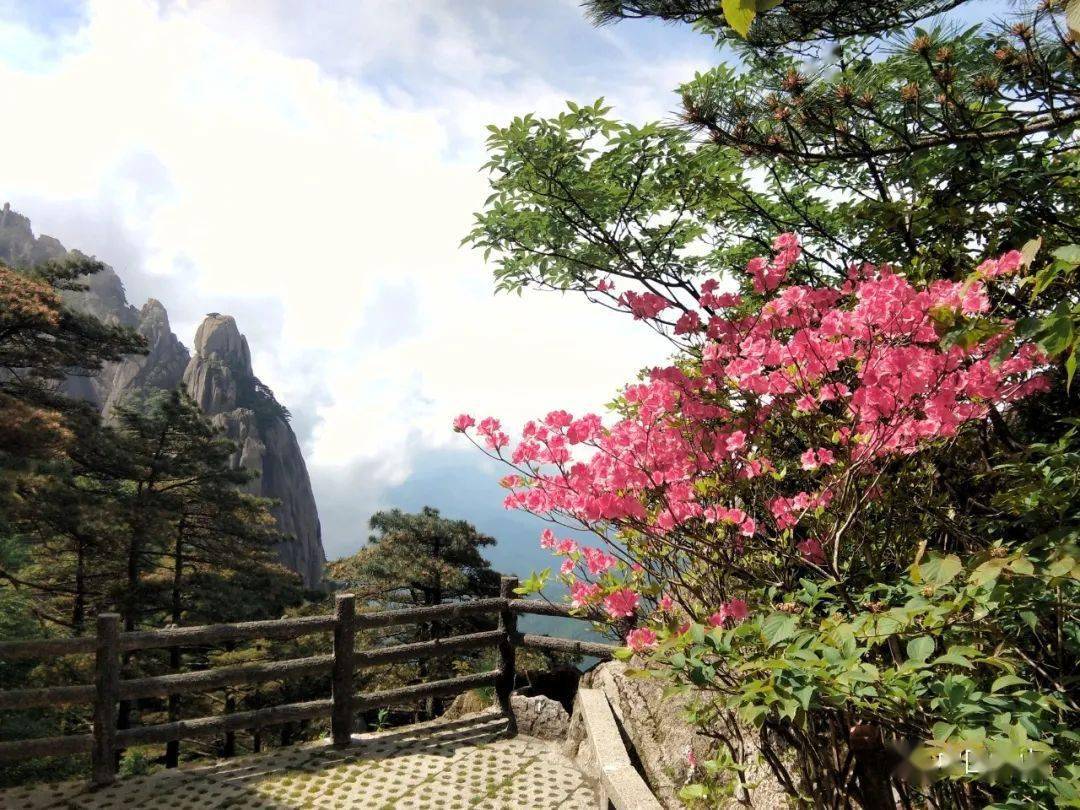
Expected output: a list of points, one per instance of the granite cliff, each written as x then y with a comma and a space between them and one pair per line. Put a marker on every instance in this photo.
218, 376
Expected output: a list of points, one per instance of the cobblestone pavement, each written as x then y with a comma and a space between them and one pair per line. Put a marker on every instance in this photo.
443, 765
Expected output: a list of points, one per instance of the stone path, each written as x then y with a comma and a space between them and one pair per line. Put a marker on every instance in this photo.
443, 765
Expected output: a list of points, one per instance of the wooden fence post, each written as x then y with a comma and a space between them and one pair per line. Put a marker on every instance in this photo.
106, 697
507, 664
341, 719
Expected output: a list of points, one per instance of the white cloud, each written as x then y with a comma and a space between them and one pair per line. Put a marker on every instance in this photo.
255, 153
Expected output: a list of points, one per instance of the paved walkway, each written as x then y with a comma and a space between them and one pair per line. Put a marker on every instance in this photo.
443, 765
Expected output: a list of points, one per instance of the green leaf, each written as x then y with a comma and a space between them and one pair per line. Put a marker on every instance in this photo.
777, 627
693, 792
1007, 680
988, 571
697, 633
942, 731
740, 14
953, 657
1070, 366
921, 648
1030, 248
1070, 254
941, 570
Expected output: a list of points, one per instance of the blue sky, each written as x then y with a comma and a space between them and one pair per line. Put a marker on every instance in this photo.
310, 169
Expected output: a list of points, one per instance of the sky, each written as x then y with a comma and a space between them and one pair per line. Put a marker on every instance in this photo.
311, 169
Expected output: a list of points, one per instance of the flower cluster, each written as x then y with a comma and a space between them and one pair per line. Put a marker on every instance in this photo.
856, 373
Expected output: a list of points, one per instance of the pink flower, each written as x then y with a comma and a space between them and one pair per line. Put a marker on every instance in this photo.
491, 429
558, 419
691, 758
812, 459
1004, 266
666, 464
644, 305
811, 551
736, 441
737, 610
641, 639
566, 546
548, 539
621, 603
688, 323
666, 603
567, 565
584, 429
597, 561
463, 422
582, 593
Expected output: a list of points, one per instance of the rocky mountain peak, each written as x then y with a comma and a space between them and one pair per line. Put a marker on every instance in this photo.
218, 338
218, 376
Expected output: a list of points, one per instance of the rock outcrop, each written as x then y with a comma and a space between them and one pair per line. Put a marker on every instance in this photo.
220, 379
661, 740
218, 376
540, 717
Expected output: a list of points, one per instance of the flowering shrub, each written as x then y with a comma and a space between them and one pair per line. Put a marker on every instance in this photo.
773, 477
775, 427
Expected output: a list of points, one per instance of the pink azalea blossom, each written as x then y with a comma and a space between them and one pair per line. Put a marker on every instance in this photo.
641, 639
597, 561
811, 551
582, 593
566, 546
737, 610
548, 539
813, 459
867, 349
736, 441
463, 422
621, 603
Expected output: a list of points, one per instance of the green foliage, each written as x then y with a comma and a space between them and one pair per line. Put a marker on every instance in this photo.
422, 559
878, 134
932, 657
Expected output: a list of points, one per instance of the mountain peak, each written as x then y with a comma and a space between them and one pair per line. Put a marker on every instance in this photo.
219, 338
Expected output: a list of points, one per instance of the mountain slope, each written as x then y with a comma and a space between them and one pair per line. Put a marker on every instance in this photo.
218, 376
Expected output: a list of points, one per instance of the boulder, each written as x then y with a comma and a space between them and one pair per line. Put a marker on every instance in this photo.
469, 702
540, 717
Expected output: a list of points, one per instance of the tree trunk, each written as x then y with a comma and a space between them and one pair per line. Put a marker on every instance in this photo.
172, 747
78, 609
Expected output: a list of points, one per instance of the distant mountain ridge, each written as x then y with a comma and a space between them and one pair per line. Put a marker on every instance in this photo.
218, 376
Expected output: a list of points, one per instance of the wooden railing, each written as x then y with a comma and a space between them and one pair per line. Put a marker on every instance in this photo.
109, 688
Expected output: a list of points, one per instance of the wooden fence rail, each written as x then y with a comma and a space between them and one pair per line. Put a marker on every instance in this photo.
109, 688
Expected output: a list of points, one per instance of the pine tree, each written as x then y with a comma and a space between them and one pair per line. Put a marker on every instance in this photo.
417, 560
